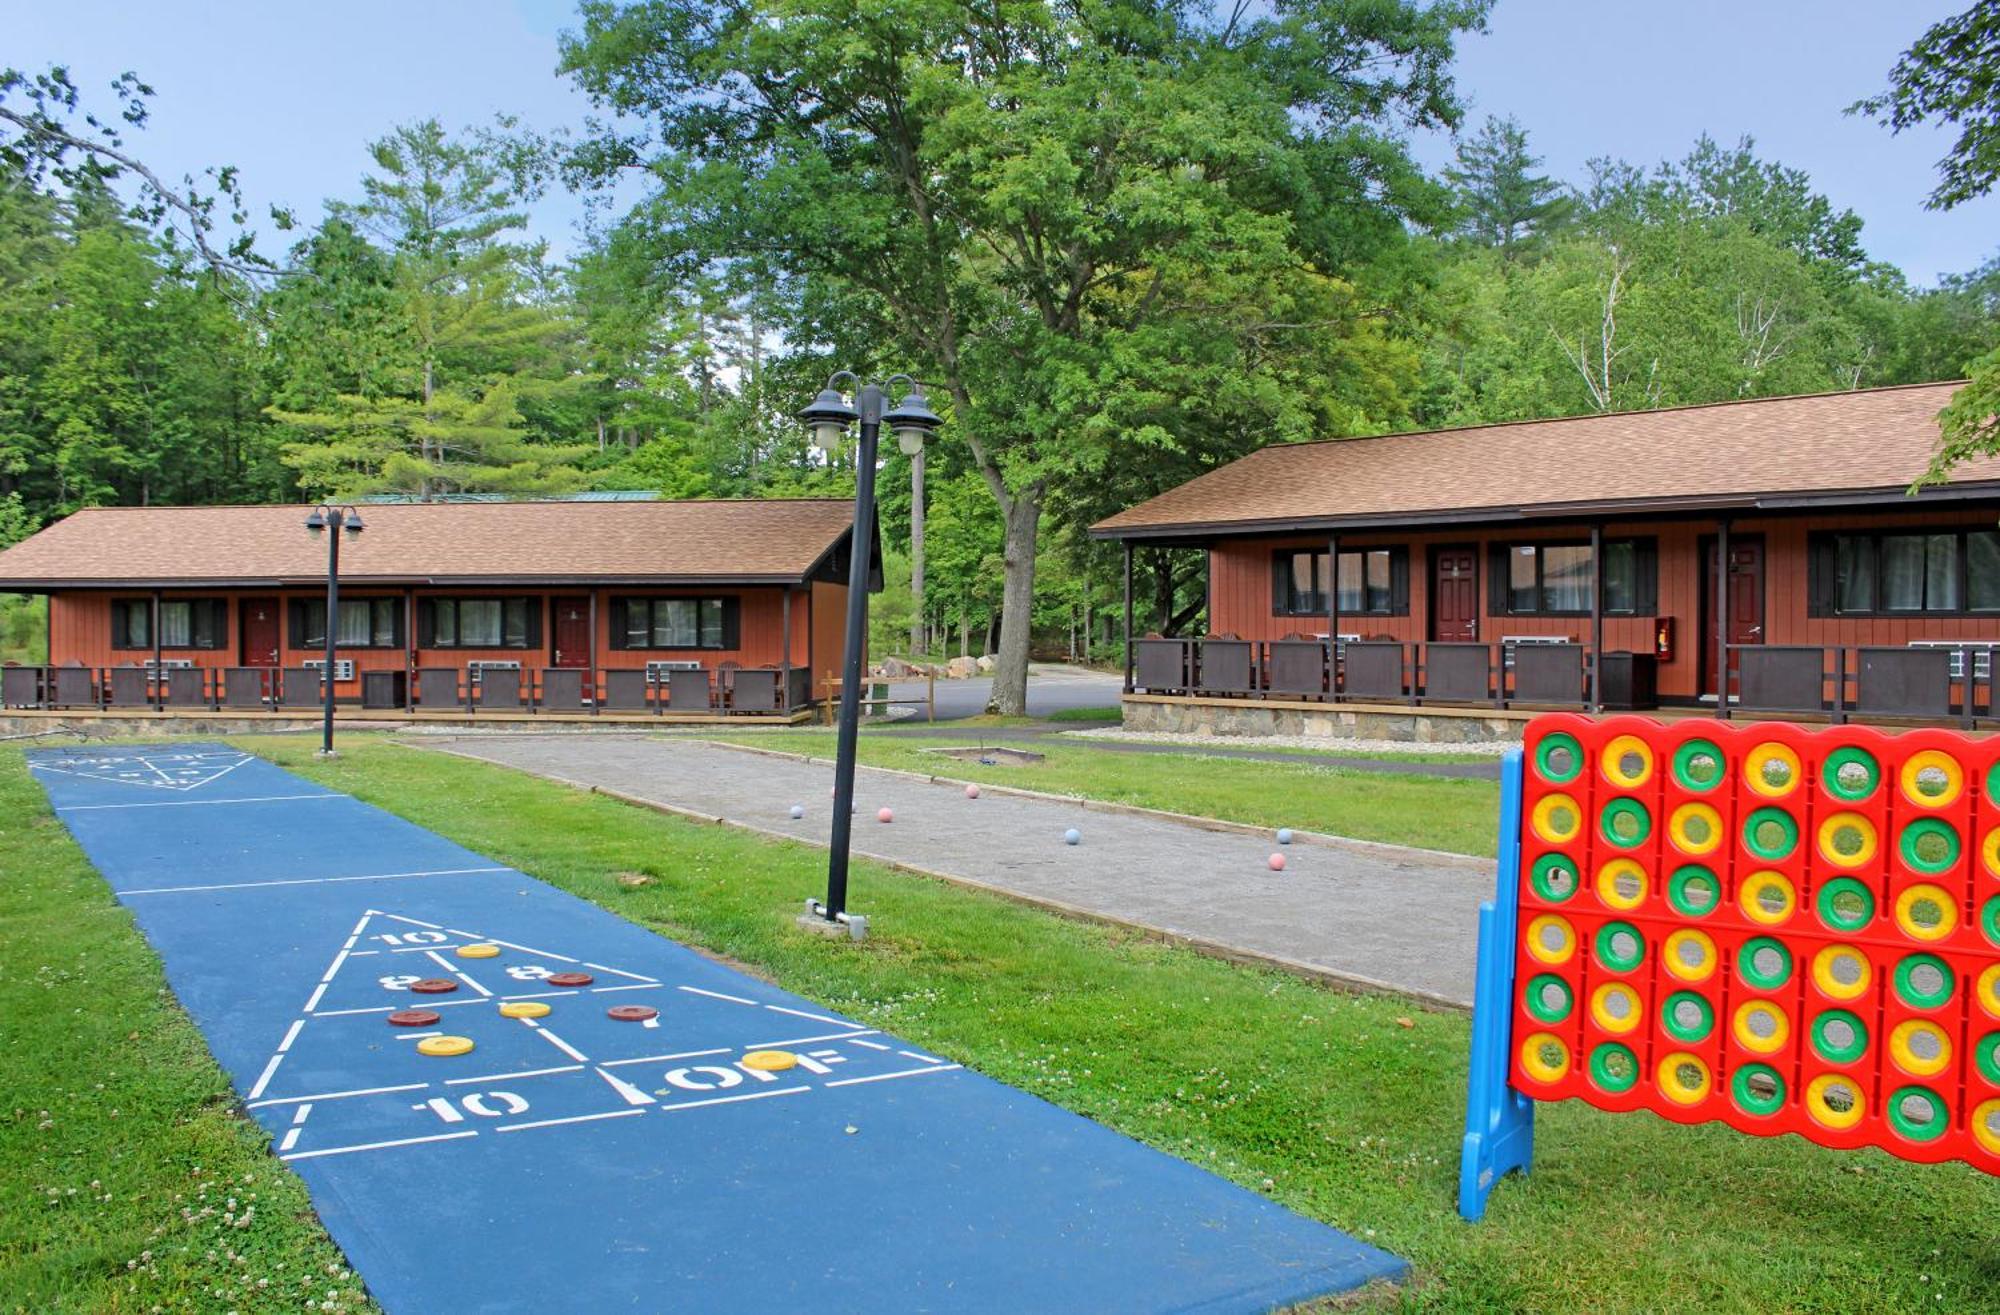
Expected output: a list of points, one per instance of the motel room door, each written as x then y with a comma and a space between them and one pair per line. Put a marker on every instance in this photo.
1454, 595
569, 637
260, 631
1746, 602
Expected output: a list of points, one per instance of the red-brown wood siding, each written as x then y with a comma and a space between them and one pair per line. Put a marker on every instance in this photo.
1241, 603
80, 631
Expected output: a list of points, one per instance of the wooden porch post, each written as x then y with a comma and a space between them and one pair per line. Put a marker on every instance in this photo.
1128, 615
1722, 617
409, 648
785, 649
1596, 702
157, 690
1332, 615
590, 668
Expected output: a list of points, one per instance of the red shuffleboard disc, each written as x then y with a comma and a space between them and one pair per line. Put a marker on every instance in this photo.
434, 986
413, 1018
632, 1013
571, 979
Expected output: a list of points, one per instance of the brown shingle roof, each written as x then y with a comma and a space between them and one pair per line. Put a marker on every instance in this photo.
654, 542
1874, 441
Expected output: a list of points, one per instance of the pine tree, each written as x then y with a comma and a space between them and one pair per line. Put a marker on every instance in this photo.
1504, 203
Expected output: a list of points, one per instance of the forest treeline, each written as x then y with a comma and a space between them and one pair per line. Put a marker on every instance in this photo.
1123, 244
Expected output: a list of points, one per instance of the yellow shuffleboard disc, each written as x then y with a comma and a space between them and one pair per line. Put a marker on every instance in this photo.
771, 1061
524, 1009
445, 1045
481, 951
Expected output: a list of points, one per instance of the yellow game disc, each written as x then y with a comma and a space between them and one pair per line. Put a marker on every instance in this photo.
1989, 990
1683, 1079
1824, 1091
1544, 1058
1931, 779
1903, 1047
524, 1009
771, 1061
478, 951
1841, 972
445, 1045
1771, 770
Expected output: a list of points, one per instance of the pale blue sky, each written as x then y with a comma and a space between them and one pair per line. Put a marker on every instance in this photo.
291, 92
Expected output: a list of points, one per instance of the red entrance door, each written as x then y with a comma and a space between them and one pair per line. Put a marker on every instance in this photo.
570, 635
260, 632
1454, 595
1746, 603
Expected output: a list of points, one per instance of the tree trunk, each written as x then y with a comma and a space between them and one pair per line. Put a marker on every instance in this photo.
1163, 591
917, 644
1017, 606
964, 635
424, 444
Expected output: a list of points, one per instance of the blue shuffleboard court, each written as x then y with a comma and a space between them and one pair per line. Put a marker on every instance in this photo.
634, 1127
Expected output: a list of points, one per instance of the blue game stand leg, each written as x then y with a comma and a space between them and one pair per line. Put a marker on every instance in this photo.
1499, 1121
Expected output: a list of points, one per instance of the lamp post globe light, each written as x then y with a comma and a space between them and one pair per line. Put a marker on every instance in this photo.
341, 520
912, 421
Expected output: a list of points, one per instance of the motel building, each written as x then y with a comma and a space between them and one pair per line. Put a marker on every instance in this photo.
695, 610
1446, 585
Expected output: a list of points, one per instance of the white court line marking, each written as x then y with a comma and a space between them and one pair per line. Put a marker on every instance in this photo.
884, 1077
524, 1073
291, 1035
459, 973
636, 986
390, 1009
292, 1134
808, 1040
313, 1002
632, 1094
872, 1045
528, 949
928, 1059
729, 1100
715, 995
309, 881
558, 1042
198, 803
574, 1118
378, 1145
414, 922
637, 977
415, 1036
264, 1080
800, 1013
535, 995
336, 1095
334, 967
657, 1059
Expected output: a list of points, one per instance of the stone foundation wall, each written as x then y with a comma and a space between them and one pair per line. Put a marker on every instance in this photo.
1333, 722
55, 726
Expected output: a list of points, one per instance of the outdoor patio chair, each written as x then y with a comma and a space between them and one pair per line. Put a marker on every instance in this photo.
725, 682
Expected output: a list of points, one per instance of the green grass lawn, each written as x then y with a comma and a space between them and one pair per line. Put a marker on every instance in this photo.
128, 1180
1086, 714
1393, 807
1346, 1108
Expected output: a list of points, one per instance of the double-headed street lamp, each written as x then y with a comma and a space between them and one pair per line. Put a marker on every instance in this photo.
340, 519
912, 421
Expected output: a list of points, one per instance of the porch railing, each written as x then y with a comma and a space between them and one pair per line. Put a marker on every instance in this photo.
1929, 681
554, 691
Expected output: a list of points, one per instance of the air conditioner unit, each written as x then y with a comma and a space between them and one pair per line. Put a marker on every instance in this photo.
1982, 656
169, 664
1508, 643
343, 668
656, 672
473, 669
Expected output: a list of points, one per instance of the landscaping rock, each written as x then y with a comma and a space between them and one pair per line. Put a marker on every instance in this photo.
986, 665
961, 668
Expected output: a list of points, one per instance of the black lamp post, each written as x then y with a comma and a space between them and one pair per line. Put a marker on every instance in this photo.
912, 421
339, 519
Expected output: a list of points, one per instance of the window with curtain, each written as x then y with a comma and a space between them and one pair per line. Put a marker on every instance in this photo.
364, 623
1553, 579
479, 622
184, 623
653, 623
1938, 572
1369, 583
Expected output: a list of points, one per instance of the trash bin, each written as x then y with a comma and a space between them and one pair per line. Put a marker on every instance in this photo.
1630, 681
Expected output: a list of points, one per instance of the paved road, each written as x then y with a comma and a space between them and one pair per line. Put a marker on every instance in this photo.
1052, 687
1403, 919
1027, 737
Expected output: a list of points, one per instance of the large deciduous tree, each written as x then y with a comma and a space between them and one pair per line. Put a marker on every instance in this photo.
1033, 205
